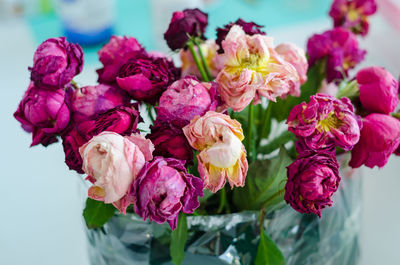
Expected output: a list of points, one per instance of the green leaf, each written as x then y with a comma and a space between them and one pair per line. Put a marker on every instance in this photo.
265, 184
178, 240
315, 75
268, 252
97, 213
282, 139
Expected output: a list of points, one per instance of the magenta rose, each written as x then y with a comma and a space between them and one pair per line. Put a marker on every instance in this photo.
353, 14
122, 120
90, 100
379, 90
186, 98
44, 113
145, 77
56, 62
380, 137
115, 54
250, 28
169, 141
189, 22
163, 189
324, 123
339, 47
312, 180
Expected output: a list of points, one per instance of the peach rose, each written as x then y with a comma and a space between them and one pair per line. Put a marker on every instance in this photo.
112, 163
207, 130
296, 57
252, 69
222, 155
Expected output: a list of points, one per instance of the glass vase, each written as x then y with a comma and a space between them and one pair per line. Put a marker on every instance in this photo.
233, 238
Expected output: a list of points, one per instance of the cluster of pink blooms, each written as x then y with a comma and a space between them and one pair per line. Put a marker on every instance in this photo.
338, 47
321, 126
98, 124
327, 123
380, 134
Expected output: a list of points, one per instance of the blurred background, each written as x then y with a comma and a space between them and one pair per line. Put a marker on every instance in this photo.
41, 199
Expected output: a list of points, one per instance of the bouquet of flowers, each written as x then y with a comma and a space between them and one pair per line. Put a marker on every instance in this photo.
161, 141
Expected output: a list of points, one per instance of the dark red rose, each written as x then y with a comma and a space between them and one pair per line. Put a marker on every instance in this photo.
189, 22
146, 77
169, 141
312, 180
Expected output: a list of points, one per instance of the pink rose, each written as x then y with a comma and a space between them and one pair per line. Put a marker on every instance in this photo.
56, 62
222, 155
250, 28
339, 47
186, 98
353, 15
163, 189
112, 163
379, 90
324, 123
252, 68
90, 100
380, 137
44, 113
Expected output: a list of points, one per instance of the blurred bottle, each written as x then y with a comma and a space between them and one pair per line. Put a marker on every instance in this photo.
87, 22
10, 9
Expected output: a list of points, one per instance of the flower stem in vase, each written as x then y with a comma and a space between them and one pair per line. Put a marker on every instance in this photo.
249, 146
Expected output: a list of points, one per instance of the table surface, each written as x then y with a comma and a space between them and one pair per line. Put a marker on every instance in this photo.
42, 205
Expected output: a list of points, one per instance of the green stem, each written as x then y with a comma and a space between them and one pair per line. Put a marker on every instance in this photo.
222, 199
266, 125
261, 221
282, 139
250, 132
197, 61
204, 62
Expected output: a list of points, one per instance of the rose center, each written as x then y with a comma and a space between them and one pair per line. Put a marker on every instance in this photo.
352, 14
253, 62
330, 122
